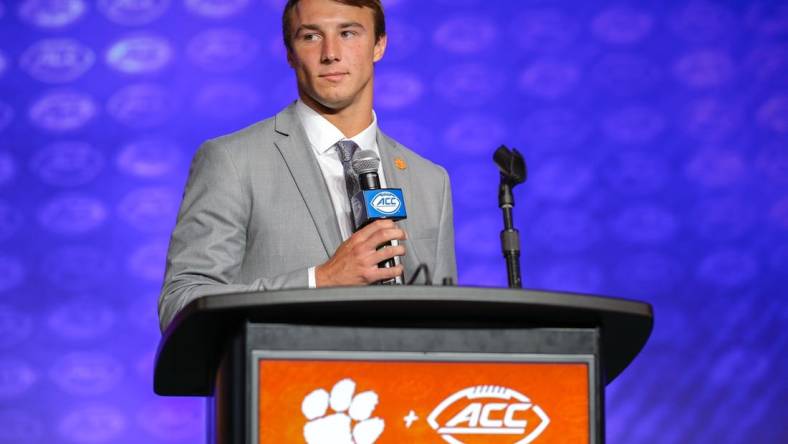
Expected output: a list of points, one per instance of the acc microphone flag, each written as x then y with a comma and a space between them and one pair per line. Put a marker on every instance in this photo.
383, 203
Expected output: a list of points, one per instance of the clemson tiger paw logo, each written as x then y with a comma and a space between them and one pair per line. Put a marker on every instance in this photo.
342, 416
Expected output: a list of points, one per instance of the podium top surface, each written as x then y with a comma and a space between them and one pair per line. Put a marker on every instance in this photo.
191, 347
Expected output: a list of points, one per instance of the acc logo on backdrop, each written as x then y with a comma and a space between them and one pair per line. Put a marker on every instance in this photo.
142, 105
469, 85
544, 30
648, 223
57, 60
216, 8
145, 262
773, 114
86, 373
52, 13
12, 272
3, 64
81, 319
621, 25
17, 377
92, 424
625, 74
179, 420
15, 327
498, 414
6, 115
555, 127
77, 268
562, 178
471, 133
66, 164
72, 214
404, 39
466, 35
7, 168
149, 157
398, 89
11, 219
150, 209
227, 100
637, 173
139, 54
222, 50
133, 12
549, 79
20, 426
63, 111
633, 124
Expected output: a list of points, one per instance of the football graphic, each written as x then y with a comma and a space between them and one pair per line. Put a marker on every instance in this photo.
488, 414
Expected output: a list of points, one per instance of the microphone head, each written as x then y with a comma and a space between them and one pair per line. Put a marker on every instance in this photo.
365, 161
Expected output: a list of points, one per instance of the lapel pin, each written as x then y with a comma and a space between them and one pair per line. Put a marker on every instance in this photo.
400, 163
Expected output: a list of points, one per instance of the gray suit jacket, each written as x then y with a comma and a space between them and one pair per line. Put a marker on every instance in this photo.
256, 214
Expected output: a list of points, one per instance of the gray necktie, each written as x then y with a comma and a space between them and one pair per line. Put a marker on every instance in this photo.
346, 148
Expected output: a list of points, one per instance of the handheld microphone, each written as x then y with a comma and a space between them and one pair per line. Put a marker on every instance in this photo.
365, 164
373, 202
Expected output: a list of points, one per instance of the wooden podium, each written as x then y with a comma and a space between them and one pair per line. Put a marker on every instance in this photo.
400, 364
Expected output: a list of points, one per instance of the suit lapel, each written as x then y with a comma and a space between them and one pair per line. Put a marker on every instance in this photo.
399, 178
294, 147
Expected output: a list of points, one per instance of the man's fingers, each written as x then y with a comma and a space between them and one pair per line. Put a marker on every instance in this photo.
384, 235
365, 233
384, 274
386, 253
379, 232
356, 261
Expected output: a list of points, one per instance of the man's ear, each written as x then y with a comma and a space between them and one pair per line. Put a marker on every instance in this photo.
290, 57
380, 48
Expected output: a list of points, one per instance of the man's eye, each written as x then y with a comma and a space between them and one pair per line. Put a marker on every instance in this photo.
348, 33
310, 37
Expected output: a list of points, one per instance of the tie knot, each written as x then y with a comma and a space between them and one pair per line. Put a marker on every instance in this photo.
346, 148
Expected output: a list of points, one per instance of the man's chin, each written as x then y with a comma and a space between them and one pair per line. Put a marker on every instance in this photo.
333, 105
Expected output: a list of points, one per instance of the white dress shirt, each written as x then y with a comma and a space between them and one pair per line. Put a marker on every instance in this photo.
323, 136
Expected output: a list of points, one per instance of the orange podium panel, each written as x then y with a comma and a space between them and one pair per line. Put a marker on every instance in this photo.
396, 401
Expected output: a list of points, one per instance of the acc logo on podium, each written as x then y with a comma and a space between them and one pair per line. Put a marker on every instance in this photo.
489, 414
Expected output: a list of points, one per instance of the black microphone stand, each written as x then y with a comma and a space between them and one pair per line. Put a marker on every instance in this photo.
513, 172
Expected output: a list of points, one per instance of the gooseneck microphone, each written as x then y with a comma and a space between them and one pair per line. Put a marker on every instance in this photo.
373, 202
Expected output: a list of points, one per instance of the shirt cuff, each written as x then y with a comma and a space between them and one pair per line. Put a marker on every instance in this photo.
311, 277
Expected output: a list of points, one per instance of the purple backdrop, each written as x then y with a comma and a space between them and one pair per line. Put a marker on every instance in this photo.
656, 133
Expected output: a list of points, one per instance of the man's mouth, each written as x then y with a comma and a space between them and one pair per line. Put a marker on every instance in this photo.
333, 76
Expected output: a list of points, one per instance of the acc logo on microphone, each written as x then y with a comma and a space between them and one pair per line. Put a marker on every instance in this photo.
491, 414
386, 202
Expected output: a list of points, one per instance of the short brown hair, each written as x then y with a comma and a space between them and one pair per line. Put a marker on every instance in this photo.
374, 5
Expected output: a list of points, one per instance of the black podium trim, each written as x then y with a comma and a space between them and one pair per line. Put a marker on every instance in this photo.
192, 346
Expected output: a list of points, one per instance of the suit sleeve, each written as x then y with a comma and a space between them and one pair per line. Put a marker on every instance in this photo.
208, 243
445, 264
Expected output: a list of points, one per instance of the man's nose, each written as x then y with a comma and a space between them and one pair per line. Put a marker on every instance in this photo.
331, 50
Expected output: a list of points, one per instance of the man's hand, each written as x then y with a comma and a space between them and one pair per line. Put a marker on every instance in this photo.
356, 260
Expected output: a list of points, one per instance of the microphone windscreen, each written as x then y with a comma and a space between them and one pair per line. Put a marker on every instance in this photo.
365, 161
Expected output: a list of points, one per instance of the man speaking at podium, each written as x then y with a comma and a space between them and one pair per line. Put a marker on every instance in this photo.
267, 207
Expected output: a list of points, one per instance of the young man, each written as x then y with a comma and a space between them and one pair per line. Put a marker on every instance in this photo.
267, 207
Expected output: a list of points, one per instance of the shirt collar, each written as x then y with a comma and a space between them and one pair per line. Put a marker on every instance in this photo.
323, 135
